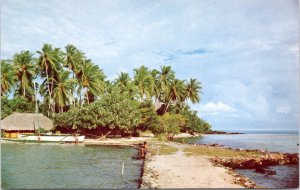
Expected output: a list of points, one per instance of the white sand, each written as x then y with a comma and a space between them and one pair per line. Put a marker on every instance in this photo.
180, 171
184, 135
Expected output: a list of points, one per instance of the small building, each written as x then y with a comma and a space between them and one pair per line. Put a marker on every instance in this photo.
24, 123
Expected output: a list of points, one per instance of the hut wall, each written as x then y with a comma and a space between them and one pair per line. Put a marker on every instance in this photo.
14, 134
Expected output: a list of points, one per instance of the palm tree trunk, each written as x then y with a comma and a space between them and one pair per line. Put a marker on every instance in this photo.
156, 98
49, 107
80, 102
167, 106
52, 85
24, 91
87, 97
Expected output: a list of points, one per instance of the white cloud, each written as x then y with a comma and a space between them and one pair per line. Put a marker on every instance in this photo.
283, 109
212, 108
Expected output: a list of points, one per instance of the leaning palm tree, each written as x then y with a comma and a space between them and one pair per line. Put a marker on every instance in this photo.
7, 77
24, 70
142, 80
90, 79
73, 58
193, 88
64, 86
49, 64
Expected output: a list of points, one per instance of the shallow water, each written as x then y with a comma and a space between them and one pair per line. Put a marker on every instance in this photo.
277, 141
270, 142
286, 177
68, 166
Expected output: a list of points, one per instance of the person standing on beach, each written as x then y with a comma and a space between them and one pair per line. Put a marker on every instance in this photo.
143, 149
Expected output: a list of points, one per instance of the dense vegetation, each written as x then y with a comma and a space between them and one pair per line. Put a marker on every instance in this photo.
77, 96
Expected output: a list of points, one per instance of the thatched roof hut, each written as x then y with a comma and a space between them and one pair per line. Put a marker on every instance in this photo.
26, 122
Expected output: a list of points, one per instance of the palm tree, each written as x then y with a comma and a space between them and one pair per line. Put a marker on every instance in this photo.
166, 76
49, 63
64, 86
24, 70
156, 84
73, 58
193, 88
90, 79
7, 77
142, 80
123, 81
175, 92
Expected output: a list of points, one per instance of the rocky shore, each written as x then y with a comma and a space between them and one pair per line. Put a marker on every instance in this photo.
223, 133
257, 162
149, 175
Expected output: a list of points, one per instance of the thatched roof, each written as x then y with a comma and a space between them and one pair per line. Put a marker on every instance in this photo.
26, 121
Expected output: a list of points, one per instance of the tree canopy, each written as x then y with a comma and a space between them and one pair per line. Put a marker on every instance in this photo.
74, 92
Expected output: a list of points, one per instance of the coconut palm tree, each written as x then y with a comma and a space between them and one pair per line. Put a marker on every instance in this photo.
122, 81
175, 93
193, 88
73, 58
62, 93
156, 84
25, 70
125, 85
7, 77
49, 63
166, 75
142, 80
90, 79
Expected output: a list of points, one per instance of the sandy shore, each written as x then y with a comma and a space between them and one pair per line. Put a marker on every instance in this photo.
117, 141
181, 171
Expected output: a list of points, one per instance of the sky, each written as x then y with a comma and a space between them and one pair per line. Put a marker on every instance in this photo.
244, 52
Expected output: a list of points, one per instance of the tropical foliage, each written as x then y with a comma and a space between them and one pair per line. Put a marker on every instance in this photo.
17, 104
7, 77
74, 92
170, 124
113, 112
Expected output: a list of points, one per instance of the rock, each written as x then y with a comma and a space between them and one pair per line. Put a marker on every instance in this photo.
250, 164
260, 170
270, 172
281, 162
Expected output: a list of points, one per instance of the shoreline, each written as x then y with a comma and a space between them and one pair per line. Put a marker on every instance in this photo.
183, 168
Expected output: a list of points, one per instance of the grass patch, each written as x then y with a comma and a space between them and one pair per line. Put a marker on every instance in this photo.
162, 149
215, 151
146, 133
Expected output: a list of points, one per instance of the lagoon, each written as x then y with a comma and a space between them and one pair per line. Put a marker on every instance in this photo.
33, 166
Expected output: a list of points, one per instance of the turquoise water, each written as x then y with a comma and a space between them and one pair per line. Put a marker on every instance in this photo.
41, 166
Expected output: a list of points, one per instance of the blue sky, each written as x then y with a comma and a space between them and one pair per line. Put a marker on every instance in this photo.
245, 52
